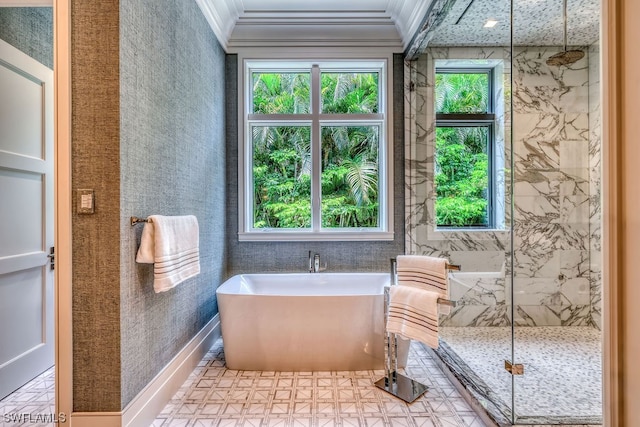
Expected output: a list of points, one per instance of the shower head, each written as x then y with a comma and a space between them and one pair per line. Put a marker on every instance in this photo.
566, 57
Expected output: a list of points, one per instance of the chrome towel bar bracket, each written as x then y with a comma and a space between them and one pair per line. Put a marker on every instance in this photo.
135, 220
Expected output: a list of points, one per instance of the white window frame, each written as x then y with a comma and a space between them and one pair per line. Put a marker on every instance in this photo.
500, 228
384, 231
485, 119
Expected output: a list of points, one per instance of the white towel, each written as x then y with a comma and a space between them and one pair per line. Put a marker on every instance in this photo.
171, 243
413, 314
425, 272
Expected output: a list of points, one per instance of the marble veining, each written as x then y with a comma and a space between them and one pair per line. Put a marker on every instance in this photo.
556, 185
595, 186
438, 12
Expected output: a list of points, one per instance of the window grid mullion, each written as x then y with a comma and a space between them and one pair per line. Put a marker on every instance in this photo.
314, 120
316, 150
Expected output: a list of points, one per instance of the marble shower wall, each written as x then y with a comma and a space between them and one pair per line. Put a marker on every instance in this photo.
552, 269
482, 298
556, 195
595, 193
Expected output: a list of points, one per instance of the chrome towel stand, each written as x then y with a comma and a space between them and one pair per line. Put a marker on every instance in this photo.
397, 384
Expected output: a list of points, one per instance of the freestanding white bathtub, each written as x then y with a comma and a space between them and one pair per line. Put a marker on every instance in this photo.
304, 322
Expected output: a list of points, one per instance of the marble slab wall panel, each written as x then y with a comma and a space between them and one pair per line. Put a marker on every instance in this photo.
552, 190
481, 302
595, 194
556, 149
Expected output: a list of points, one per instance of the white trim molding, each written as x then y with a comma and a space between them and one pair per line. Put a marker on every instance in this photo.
221, 19
240, 24
408, 16
272, 59
26, 3
145, 407
613, 409
62, 208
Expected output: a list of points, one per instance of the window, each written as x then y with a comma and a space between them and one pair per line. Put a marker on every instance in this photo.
465, 122
315, 163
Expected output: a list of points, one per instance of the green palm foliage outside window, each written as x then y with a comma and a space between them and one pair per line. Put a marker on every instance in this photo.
464, 124
462, 93
281, 176
350, 176
281, 93
349, 93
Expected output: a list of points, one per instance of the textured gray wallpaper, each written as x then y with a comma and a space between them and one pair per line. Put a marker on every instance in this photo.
172, 159
248, 257
29, 29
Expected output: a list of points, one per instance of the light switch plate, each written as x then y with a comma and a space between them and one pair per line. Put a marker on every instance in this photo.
85, 202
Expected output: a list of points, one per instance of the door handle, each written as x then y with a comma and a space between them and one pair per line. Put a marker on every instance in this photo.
52, 258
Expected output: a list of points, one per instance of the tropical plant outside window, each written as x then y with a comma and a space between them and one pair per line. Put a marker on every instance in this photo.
464, 141
303, 148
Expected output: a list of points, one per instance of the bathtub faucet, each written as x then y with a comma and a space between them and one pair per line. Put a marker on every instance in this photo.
314, 264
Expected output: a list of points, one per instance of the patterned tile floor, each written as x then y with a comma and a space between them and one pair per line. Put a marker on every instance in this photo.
35, 398
216, 396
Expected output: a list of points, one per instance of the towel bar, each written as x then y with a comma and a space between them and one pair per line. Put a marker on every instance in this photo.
450, 267
135, 220
448, 302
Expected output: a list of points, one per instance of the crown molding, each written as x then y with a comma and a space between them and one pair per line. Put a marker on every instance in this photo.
221, 16
407, 16
245, 23
315, 33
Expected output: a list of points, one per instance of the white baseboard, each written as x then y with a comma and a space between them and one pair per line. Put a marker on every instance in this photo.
145, 407
95, 419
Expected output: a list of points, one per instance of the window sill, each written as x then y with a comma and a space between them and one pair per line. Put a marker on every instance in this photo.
465, 233
324, 236
470, 230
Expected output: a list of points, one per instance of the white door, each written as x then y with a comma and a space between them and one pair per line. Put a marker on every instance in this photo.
26, 218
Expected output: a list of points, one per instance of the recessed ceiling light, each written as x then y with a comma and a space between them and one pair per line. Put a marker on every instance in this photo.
490, 23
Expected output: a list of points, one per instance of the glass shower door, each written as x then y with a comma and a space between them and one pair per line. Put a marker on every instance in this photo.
556, 213
458, 111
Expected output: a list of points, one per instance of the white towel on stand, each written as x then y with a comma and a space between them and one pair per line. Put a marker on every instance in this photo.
425, 272
171, 243
413, 314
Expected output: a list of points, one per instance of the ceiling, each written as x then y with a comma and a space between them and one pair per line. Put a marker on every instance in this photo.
390, 23
535, 23
393, 23
254, 23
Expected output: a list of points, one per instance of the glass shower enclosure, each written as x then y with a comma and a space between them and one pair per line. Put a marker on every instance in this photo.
503, 148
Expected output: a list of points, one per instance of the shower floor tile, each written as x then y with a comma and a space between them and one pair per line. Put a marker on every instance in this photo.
345, 398
562, 368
